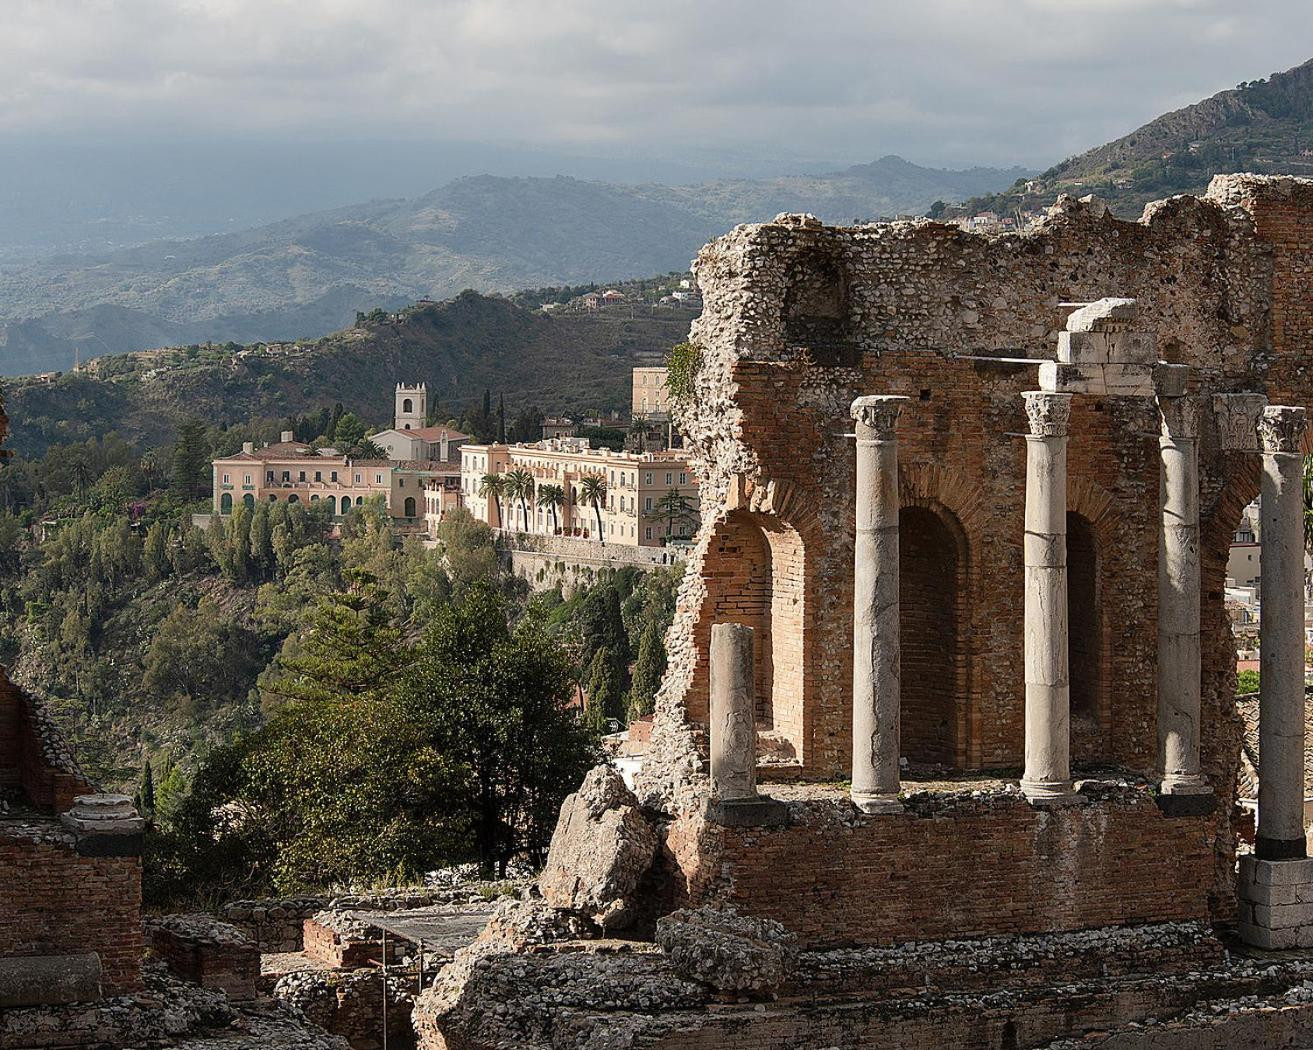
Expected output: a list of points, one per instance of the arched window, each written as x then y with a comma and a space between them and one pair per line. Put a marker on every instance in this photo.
249, 500
293, 498
332, 505
226, 503
409, 508
932, 590
407, 406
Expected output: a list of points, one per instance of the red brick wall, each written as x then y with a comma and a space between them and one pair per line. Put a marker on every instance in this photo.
56, 902
955, 868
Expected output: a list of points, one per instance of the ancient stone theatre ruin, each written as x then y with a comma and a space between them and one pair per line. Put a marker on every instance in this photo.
951, 684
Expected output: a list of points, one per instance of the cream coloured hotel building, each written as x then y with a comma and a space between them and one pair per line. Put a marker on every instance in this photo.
636, 484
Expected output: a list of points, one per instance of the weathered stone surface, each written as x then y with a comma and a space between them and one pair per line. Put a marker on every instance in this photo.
45, 980
601, 849
728, 951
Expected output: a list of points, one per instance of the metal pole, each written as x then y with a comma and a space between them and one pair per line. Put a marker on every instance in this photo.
385, 989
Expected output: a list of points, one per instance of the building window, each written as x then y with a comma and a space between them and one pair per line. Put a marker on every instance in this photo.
287, 475
647, 478
319, 475
647, 502
333, 476
378, 479
401, 483
268, 475
247, 480
670, 479
225, 479
648, 532
683, 479
357, 479
300, 475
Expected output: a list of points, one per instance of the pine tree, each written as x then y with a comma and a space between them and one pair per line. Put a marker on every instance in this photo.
146, 792
262, 548
155, 551
190, 461
648, 670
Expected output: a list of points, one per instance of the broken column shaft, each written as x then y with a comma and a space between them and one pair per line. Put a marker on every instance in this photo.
1048, 705
876, 695
733, 713
1281, 647
1178, 598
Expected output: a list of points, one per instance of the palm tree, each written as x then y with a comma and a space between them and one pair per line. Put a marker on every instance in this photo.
519, 485
493, 485
367, 448
592, 490
553, 498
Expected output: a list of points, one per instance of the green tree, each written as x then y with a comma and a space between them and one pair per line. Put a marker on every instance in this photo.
498, 698
155, 551
552, 497
349, 432
649, 668
261, 543
493, 485
191, 462
592, 491
519, 485
348, 647
146, 791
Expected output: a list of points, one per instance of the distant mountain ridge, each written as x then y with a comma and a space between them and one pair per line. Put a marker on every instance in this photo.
307, 275
1264, 126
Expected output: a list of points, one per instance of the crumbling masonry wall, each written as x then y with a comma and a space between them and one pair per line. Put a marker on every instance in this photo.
801, 318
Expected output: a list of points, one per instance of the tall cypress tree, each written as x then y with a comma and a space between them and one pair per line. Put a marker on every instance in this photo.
190, 461
501, 419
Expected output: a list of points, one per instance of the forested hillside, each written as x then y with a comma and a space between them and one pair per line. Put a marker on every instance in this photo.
564, 362
1264, 126
362, 698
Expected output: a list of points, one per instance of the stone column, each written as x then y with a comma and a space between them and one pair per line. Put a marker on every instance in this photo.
875, 608
1281, 646
1275, 884
733, 713
1048, 693
1178, 599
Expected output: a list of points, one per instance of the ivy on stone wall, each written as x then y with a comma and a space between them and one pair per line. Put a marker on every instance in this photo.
681, 367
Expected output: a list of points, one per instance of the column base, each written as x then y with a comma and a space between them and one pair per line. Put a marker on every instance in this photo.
1051, 793
876, 804
1185, 797
1280, 849
759, 812
1275, 899
1194, 784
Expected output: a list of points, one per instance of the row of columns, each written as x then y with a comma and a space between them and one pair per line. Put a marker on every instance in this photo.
1047, 776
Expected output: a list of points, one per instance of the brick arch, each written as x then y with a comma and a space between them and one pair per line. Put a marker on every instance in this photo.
756, 572
1093, 523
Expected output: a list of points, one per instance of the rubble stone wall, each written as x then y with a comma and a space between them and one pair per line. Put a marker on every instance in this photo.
275, 925
33, 753
800, 318
955, 867
57, 902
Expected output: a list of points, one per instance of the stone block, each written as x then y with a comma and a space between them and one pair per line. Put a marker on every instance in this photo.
1083, 348
1170, 380
1102, 315
602, 848
1275, 940
760, 812
49, 980
1276, 872
1252, 893
730, 952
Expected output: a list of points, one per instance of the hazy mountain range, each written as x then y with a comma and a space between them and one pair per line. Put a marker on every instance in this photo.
308, 275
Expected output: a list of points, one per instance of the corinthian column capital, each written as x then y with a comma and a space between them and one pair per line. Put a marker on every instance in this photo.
1047, 413
1281, 428
879, 412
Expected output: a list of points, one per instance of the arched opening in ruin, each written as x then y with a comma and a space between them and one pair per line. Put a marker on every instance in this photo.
1084, 639
932, 585
755, 577
817, 307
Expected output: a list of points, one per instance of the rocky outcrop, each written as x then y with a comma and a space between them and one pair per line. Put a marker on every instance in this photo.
602, 848
728, 951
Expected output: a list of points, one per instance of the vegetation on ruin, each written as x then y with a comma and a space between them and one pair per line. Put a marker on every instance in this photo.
682, 365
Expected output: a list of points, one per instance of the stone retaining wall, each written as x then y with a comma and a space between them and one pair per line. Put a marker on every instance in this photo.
274, 925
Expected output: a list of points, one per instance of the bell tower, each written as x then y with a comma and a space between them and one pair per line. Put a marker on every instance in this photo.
412, 406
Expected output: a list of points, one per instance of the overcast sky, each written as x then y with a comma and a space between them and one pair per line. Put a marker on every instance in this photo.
950, 82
